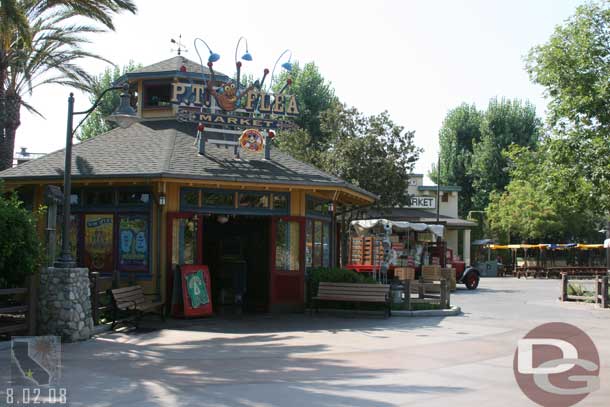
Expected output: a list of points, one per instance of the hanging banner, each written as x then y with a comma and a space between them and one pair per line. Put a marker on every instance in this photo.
133, 242
192, 293
99, 242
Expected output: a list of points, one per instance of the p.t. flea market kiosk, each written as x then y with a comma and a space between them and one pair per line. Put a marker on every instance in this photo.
197, 181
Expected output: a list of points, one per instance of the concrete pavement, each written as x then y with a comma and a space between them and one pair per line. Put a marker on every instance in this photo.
301, 360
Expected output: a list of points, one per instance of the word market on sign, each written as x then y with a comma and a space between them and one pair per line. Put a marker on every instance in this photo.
423, 202
194, 115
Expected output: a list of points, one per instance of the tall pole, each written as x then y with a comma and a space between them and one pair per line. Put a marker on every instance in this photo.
608, 247
65, 259
438, 189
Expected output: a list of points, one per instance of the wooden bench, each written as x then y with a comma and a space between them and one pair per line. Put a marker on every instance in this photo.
133, 301
356, 293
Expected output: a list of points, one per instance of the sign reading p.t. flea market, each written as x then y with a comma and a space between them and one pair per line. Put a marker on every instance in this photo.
259, 108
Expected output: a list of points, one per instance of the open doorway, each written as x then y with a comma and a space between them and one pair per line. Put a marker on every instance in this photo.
236, 249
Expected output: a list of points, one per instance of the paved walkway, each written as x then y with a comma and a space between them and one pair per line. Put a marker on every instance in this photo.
329, 361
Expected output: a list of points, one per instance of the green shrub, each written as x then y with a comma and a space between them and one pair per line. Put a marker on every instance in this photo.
333, 275
20, 248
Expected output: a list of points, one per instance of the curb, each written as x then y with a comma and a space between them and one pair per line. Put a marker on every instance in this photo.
100, 329
454, 310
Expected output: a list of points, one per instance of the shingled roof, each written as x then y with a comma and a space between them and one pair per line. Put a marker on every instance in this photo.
166, 149
172, 67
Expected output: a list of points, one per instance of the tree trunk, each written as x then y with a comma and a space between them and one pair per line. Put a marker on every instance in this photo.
12, 120
3, 73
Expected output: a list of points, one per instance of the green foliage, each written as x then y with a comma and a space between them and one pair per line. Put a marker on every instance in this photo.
505, 122
472, 143
20, 249
573, 67
522, 211
371, 152
567, 191
96, 123
460, 131
314, 94
41, 44
368, 151
334, 275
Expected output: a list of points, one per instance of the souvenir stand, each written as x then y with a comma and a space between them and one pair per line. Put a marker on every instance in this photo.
395, 249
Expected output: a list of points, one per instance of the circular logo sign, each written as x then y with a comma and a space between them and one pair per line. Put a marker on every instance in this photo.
556, 364
252, 140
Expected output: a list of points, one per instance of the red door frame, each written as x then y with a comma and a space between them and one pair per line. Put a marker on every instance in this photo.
169, 275
297, 274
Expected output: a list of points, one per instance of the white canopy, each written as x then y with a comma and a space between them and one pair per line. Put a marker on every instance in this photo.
363, 226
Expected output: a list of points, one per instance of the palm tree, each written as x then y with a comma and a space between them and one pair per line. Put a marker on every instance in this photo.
40, 43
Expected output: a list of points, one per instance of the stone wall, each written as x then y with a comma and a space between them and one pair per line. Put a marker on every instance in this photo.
64, 304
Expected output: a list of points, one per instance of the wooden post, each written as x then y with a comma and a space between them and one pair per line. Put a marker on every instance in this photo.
94, 296
32, 300
605, 295
443, 292
407, 290
564, 286
598, 290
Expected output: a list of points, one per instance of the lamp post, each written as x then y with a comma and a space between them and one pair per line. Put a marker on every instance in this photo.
286, 65
124, 116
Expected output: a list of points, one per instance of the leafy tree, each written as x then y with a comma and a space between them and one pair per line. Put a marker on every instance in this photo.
522, 211
314, 94
96, 122
22, 253
371, 152
460, 131
505, 122
40, 43
472, 144
574, 68
568, 192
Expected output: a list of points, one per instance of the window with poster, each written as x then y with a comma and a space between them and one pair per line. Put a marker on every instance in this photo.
110, 229
133, 242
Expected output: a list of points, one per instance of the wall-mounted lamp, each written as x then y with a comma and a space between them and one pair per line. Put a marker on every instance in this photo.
222, 219
162, 200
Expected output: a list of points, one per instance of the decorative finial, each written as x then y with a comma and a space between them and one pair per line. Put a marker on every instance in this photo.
179, 44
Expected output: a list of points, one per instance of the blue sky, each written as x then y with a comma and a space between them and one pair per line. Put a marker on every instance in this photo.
416, 59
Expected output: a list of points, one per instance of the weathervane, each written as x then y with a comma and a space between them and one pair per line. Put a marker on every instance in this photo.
179, 44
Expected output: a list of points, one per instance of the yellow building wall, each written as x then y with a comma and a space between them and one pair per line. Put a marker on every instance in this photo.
297, 203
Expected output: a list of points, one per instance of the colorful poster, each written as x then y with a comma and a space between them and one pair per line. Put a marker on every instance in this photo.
196, 289
99, 242
133, 241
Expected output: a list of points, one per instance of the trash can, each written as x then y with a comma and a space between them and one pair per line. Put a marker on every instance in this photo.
398, 293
